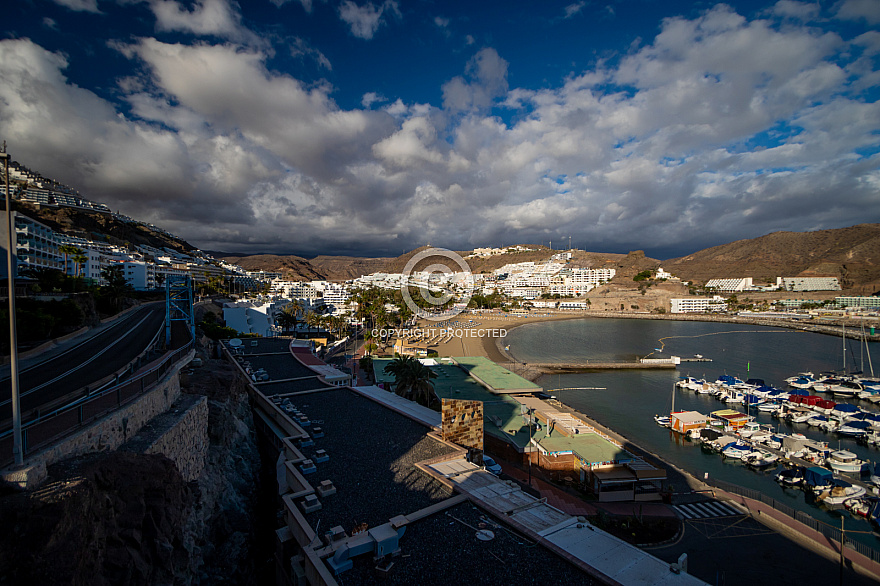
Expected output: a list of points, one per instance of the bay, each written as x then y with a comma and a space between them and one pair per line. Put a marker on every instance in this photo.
629, 399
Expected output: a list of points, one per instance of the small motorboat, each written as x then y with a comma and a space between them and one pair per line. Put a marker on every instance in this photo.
760, 459
662, 420
736, 450
791, 476
840, 492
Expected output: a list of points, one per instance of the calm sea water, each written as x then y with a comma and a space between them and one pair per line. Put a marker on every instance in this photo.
628, 400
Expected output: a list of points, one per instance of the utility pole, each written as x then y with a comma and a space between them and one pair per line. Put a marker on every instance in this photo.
529, 446
842, 557
13, 337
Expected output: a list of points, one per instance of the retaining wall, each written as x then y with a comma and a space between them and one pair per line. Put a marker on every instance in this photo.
110, 432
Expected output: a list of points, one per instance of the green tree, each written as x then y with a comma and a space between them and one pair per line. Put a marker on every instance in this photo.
288, 317
412, 380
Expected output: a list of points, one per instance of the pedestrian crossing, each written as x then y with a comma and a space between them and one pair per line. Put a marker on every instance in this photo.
709, 509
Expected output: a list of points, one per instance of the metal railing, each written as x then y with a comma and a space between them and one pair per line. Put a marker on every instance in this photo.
50, 427
830, 532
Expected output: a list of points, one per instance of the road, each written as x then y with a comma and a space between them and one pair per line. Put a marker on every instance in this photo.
45, 382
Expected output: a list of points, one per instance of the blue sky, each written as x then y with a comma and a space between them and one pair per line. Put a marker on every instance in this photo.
370, 128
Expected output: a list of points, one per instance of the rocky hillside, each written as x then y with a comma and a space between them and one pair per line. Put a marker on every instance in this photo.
130, 518
343, 268
851, 254
102, 227
293, 268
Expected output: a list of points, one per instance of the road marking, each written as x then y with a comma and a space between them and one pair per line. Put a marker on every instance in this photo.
707, 509
90, 360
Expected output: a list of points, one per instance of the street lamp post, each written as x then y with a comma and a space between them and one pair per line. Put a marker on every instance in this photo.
13, 337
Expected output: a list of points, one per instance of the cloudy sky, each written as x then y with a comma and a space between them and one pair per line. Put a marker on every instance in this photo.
369, 128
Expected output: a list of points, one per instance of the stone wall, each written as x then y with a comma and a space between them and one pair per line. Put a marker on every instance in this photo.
463, 422
180, 434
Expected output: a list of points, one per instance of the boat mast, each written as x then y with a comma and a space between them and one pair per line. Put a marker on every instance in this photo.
867, 349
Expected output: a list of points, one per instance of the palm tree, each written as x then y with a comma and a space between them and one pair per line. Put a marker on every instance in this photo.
79, 261
68, 249
412, 380
287, 318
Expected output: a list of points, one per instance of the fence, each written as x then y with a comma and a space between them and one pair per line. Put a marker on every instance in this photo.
52, 426
832, 533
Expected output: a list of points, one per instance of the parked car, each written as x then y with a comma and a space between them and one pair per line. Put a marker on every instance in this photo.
491, 465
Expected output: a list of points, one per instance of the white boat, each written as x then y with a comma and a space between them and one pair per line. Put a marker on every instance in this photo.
749, 429
800, 416
799, 375
859, 506
662, 420
845, 461
736, 450
841, 492
760, 459
817, 420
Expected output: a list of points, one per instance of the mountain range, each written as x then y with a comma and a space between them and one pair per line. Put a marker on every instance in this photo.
852, 254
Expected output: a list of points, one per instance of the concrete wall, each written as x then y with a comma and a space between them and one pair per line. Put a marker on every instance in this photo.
115, 429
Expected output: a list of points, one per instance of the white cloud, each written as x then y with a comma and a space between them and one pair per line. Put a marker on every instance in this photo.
207, 17
80, 5
365, 20
371, 98
703, 139
803, 11
300, 48
485, 79
869, 10
574, 9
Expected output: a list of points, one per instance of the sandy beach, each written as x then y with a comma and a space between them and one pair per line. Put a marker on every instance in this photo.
477, 334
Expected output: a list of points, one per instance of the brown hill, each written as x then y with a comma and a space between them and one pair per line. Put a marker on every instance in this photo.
851, 254
102, 227
343, 268
292, 268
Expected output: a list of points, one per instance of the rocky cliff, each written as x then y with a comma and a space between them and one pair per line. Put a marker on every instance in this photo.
130, 518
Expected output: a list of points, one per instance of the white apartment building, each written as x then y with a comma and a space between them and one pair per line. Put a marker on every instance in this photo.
336, 294
295, 289
524, 292
698, 304
570, 290
253, 317
810, 284
592, 277
36, 244
730, 285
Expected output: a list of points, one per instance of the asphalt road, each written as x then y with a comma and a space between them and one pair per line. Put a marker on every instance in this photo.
83, 363
734, 548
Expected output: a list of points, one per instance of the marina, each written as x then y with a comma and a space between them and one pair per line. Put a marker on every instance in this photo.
633, 398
